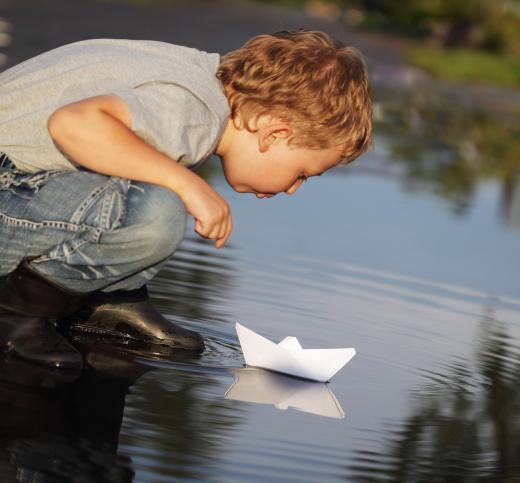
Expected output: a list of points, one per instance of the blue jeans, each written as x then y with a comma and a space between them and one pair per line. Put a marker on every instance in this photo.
87, 231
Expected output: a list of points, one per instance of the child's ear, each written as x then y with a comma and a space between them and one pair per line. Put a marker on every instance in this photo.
271, 133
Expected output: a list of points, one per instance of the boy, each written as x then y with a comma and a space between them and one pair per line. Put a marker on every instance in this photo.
100, 140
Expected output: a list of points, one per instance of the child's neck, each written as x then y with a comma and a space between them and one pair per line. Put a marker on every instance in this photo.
225, 140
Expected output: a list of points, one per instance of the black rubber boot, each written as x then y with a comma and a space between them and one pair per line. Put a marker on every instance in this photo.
130, 315
28, 303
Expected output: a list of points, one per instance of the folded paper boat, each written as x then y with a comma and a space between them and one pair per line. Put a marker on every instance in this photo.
288, 356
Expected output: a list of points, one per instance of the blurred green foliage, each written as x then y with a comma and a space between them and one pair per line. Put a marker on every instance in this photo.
446, 147
464, 40
464, 425
492, 25
467, 65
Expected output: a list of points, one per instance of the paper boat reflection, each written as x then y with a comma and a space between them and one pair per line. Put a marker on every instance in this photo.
289, 357
264, 387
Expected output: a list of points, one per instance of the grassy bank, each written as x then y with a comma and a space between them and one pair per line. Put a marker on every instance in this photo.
464, 65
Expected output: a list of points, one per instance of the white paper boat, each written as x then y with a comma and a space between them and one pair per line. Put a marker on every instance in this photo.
288, 356
256, 385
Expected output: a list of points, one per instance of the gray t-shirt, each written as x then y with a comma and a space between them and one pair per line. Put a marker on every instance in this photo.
177, 104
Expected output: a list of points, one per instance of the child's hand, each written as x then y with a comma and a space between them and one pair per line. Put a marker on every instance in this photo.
210, 211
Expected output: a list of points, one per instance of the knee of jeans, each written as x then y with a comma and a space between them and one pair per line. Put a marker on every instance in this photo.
159, 216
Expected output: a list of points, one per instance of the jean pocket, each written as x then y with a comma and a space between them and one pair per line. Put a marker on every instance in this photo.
105, 206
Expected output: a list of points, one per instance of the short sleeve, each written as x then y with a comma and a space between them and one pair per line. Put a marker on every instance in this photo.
172, 120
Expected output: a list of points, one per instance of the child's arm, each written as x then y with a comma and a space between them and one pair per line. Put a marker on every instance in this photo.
96, 133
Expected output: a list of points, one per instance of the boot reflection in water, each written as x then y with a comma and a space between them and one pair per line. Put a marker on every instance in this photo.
68, 428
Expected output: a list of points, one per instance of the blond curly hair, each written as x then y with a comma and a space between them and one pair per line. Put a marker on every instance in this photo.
310, 80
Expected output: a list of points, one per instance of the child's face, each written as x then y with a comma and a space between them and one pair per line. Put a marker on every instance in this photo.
264, 164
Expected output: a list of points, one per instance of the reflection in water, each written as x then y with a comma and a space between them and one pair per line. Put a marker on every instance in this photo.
511, 201
54, 428
264, 387
465, 426
193, 282
448, 148
177, 425
58, 426
173, 422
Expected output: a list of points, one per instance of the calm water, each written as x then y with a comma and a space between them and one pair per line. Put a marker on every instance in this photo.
411, 255
369, 257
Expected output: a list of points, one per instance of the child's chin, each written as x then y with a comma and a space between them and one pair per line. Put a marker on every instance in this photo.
240, 189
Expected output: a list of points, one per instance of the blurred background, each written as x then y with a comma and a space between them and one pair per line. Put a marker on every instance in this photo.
410, 254
452, 69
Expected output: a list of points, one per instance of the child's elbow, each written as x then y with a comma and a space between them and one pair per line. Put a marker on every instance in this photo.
61, 122
82, 119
